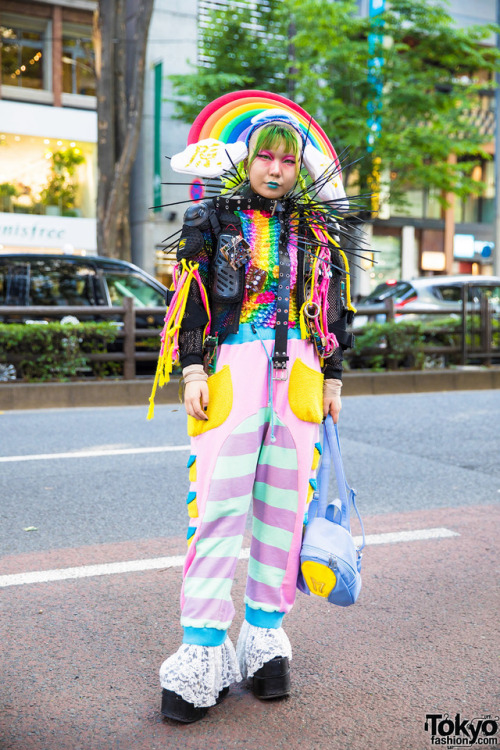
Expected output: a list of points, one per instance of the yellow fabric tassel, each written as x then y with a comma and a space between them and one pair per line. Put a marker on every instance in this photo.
172, 327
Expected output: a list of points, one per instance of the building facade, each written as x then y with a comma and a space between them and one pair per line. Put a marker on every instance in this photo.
48, 147
172, 44
48, 127
424, 239
420, 240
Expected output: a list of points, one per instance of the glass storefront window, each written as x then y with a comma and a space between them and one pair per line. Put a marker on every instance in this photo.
47, 176
433, 208
414, 207
78, 61
25, 52
388, 259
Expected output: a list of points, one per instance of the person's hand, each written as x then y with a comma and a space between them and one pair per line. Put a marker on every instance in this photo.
196, 399
332, 403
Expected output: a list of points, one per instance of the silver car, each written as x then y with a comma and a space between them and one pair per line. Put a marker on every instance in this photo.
440, 293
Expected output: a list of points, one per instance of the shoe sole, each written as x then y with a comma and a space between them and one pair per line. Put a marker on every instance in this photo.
173, 706
272, 680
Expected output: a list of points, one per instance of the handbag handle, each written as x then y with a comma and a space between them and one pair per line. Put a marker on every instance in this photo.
331, 453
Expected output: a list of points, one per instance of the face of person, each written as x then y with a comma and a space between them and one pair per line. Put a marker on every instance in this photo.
273, 171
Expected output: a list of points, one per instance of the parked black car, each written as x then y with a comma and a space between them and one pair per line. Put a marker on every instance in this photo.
28, 279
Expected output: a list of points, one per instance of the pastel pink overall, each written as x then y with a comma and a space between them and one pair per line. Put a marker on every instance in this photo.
259, 444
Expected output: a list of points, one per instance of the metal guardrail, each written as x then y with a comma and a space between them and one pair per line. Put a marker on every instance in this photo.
130, 333
469, 331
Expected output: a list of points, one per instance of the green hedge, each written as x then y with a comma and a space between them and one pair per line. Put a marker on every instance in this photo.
51, 351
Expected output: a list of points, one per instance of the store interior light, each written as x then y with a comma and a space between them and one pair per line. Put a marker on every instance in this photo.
72, 144
59, 143
17, 137
46, 141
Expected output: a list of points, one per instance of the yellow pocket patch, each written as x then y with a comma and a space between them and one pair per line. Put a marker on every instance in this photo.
192, 473
305, 392
220, 403
319, 578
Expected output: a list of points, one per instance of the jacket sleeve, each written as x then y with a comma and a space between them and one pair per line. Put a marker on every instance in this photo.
195, 245
338, 318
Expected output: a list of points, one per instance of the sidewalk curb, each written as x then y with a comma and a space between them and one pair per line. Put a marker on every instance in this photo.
136, 392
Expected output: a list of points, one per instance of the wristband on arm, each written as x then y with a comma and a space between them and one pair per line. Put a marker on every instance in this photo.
194, 372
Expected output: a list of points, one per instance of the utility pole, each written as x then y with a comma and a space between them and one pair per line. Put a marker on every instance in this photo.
496, 250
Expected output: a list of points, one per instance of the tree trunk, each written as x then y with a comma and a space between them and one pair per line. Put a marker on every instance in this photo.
119, 35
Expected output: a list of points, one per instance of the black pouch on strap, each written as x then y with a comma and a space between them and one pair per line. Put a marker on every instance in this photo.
345, 339
228, 283
228, 278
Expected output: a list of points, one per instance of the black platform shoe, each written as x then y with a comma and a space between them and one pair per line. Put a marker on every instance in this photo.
173, 706
273, 679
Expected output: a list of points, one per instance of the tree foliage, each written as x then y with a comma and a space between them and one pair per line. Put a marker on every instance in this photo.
238, 50
429, 83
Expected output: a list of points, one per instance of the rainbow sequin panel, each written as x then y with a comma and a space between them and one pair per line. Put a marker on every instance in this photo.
261, 231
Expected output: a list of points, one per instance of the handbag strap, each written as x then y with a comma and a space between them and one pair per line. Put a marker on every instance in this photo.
332, 454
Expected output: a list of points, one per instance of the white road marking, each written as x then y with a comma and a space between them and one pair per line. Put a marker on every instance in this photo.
163, 563
94, 453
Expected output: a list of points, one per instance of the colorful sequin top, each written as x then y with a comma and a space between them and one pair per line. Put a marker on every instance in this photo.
261, 231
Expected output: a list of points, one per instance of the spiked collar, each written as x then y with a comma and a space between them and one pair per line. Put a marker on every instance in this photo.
247, 200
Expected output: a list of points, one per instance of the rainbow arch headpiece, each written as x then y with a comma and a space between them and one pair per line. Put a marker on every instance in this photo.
218, 138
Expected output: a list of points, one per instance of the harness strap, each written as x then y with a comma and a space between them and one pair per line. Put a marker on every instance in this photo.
280, 357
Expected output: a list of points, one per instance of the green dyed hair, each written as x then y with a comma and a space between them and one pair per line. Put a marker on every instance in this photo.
269, 136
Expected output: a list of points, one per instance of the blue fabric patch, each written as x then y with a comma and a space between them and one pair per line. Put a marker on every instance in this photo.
190, 532
191, 496
245, 334
262, 619
319, 448
204, 636
313, 484
191, 461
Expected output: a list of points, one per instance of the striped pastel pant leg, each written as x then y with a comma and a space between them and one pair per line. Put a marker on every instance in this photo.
275, 507
206, 593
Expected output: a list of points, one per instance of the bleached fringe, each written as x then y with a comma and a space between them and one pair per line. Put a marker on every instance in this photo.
256, 646
199, 673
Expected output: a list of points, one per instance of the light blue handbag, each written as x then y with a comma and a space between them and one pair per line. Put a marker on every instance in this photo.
330, 562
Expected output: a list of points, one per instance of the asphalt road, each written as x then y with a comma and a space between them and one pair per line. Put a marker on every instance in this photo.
80, 669
401, 452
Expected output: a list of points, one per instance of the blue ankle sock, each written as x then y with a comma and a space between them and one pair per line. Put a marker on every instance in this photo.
204, 636
262, 619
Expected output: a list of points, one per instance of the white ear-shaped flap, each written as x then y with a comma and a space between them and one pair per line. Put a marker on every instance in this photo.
209, 158
319, 166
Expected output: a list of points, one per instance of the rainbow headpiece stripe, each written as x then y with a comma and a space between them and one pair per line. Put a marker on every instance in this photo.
229, 119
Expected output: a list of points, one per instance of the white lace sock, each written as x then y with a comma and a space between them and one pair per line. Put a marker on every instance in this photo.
199, 673
256, 646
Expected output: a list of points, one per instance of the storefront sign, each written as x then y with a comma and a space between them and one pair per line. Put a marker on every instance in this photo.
31, 231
